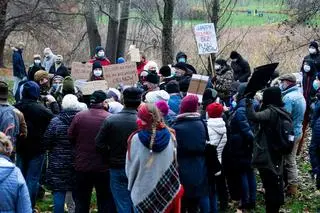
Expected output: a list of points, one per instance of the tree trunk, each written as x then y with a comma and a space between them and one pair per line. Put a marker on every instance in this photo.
167, 39
214, 19
112, 40
92, 28
3, 36
125, 12
2, 43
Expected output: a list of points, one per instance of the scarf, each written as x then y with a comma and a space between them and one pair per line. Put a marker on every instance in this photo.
161, 139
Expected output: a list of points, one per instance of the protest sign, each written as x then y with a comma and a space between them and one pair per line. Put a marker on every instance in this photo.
88, 87
81, 70
134, 53
206, 38
125, 74
198, 85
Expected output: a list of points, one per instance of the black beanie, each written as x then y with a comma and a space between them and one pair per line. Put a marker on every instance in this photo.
165, 71
4, 91
96, 65
152, 77
99, 48
132, 95
221, 62
234, 55
172, 87
98, 97
314, 44
272, 96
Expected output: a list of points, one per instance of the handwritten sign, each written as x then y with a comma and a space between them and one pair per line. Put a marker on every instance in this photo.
88, 87
125, 74
134, 55
81, 70
198, 85
206, 38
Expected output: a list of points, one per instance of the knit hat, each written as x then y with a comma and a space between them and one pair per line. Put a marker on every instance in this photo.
96, 65
314, 44
165, 71
132, 95
98, 97
114, 93
121, 60
152, 77
39, 75
288, 77
272, 96
57, 78
172, 87
221, 62
37, 56
234, 55
209, 95
68, 85
144, 114
31, 90
189, 104
115, 107
151, 66
99, 48
163, 107
154, 96
4, 91
70, 102
215, 110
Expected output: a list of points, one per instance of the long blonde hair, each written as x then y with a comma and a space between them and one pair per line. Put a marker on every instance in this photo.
5, 145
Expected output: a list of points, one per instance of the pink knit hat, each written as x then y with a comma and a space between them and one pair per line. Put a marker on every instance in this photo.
163, 107
189, 104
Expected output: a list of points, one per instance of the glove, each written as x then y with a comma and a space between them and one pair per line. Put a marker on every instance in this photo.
217, 174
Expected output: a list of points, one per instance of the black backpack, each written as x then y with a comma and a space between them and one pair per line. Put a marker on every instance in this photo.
284, 134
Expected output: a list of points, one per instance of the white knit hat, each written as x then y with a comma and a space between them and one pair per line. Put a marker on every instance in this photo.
155, 96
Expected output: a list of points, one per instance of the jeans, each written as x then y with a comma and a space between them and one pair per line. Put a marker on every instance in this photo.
119, 189
192, 205
248, 187
213, 198
58, 201
290, 164
85, 181
16, 80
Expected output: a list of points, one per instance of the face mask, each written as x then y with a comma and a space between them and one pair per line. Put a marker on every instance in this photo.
316, 85
183, 60
234, 60
100, 54
37, 61
55, 86
306, 68
312, 50
217, 66
58, 62
234, 104
97, 72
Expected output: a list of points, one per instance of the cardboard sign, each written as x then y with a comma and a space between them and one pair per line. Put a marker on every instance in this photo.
81, 70
135, 55
125, 74
88, 87
206, 38
198, 85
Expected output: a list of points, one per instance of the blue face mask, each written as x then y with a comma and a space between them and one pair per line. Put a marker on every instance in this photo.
316, 85
234, 104
183, 60
55, 86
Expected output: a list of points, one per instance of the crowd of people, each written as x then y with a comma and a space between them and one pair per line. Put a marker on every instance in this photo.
153, 147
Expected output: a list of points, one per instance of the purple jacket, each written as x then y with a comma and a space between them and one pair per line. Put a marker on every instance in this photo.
83, 131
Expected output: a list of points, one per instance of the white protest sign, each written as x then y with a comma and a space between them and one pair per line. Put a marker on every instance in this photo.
88, 87
125, 74
206, 38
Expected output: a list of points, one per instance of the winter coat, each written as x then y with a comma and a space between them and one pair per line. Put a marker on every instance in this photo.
308, 77
184, 82
104, 61
237, 153
314, 149
241, 70
60, 171
61, 70
37, 118
224, 80
217, 134
113, 135
14, 191
295, 104
48, 62
83, 131
191, 136
19, 69
174, 102
59, 94
32, 70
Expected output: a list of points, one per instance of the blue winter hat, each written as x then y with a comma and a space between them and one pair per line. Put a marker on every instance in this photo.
121, 60
31, 90
98, 48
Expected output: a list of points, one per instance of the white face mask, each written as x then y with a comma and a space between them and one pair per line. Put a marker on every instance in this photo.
312, 50
101, 54
306, 68
37, 61
97, 72
234, 60
217, 66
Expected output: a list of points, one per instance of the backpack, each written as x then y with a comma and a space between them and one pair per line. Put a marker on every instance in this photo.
9, 123
284, 132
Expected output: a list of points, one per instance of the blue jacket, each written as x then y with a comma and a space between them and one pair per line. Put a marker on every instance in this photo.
191, 137
314, 149
19, 69
295, 104
14, 191
174, 103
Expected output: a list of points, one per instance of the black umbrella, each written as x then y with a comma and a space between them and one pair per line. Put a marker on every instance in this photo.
260, 79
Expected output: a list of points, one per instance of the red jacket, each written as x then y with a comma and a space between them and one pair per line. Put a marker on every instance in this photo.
82, 132
140, 67
104, 62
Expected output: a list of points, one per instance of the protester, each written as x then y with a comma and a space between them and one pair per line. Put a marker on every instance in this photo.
267, 157
154, 96
183, 76
295, 104
100, 56
14, 191
92, 169
142, 63
97, 72
41, 77
112, 140
121, 60
181, 57
168, 115
31, 152
34, 67
237, 155
209, 96
150, 82
166, 76
151, 165
192, 134
56, 83
66, 88
58, 67
19, 69
48, 60
60, 177
223, 80
175, 97
240, 67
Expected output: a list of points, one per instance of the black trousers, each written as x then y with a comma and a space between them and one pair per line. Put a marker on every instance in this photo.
85, 181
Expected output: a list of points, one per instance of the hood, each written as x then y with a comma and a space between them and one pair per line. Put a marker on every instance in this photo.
161, 140
218, 125
67, 116
181, 55
6, 168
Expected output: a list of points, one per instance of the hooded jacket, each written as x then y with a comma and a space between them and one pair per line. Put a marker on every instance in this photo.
241, 70
33, 69
19, 69
14, 191
217, 134
60, 70
48, 61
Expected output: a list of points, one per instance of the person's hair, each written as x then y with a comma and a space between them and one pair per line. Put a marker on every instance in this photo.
5, 145
156, 119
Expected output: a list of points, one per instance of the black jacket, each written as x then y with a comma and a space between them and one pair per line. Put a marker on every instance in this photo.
32, 70
62, 70
113, 135
37, 118
241, 70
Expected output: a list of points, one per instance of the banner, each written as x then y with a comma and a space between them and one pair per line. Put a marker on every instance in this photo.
81, 70
206, 38
88, 87
198, 85
125, 74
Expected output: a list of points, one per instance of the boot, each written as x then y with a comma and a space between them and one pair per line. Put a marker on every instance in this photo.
292, 190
